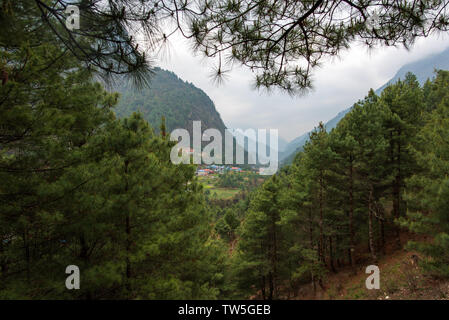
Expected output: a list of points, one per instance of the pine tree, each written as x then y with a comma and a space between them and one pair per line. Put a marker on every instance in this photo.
300, 225
79, 187
427, 191
282, 42
279, 41
366, 123
261, 244
318, 161
344, 145
406, 102
47, 118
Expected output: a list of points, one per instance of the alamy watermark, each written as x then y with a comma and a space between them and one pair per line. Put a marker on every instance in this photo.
259, 149
72, 22
373, 21
373, 280
73, 280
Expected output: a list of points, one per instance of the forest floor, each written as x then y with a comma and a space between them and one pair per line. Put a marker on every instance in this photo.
400, 279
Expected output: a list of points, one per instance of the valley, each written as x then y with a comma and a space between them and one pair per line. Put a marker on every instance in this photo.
120, 180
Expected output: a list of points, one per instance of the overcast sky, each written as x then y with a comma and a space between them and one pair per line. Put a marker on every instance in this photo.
338, 83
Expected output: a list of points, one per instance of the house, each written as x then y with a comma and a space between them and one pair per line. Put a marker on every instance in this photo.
202, 172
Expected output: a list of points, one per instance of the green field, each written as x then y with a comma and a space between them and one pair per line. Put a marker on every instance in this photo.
217, 192
223, 193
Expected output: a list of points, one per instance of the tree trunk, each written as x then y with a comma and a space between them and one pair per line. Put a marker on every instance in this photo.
128, 238
271, 284
262, 287
396, 208
3, 261
320, 282
331, 255
274, 258
370, 227
321, 245
351, 219
26, 247
382, 232
311, 247
84, 249
128, 247
337, 252
397, 195
313, 283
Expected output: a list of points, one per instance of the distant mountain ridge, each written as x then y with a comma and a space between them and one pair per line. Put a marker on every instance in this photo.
423, 69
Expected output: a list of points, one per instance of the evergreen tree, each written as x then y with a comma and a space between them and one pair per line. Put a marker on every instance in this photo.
261, 245
47, 116
427, 191
300, 222
366, 121
78, 187
344, 145
281, 42
318, 160
406, 103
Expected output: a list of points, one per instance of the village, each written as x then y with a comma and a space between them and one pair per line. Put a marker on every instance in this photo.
206, 170
226, 181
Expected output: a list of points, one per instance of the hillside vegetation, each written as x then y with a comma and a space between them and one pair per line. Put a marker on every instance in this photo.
93, 208
423, 69
180, 102
347, 199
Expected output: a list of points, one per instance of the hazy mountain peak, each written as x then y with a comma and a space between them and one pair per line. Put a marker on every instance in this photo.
423, 69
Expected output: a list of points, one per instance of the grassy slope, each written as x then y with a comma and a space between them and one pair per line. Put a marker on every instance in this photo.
400, 279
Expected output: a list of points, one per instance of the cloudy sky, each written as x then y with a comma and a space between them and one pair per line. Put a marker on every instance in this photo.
338, 83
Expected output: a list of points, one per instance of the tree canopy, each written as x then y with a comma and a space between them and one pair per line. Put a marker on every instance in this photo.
280, 41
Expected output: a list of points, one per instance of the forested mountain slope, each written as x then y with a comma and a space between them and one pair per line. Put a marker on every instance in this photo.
179, 101
423, 69
375, 185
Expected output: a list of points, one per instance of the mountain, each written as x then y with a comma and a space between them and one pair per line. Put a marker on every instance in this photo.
180, 102
423, 69
282, 144
293, 147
